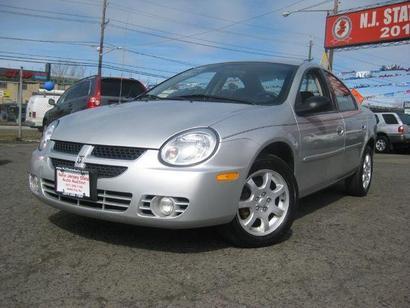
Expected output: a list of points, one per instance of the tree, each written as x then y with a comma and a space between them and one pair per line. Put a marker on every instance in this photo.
62, 72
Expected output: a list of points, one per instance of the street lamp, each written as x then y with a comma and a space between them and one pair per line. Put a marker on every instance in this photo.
328, 12
287, 13
109, 49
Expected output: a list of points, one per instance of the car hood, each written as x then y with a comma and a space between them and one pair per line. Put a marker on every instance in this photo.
142, 124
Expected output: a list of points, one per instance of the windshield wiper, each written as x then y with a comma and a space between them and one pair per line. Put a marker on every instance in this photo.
204, 97
147, 97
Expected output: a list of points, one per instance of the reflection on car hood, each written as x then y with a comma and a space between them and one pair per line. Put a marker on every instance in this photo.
142, 124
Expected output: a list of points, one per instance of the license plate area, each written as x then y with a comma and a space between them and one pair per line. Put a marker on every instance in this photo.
76, 183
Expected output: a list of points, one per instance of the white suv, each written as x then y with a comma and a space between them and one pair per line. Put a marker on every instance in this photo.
392, 131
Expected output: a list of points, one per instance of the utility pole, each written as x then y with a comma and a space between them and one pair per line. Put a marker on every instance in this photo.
310, 51
20, 104
335, 10
100, 50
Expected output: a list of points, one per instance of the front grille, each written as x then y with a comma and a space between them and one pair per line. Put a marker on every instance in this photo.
102, 171
67, 147
111, 152
107, 200
101, 151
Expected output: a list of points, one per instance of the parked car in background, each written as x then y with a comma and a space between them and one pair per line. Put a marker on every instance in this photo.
38, 105
92, 92
393, 131
10, 112
198, 151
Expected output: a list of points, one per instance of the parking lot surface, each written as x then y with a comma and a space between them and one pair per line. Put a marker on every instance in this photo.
343, 251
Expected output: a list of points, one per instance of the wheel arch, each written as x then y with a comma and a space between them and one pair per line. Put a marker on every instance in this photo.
280, 149
372, 143
382, 134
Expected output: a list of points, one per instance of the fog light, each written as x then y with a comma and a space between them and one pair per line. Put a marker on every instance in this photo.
163, 206
166, 206
34, 183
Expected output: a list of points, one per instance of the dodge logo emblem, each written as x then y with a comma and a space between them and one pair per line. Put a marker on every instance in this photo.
79, 162
82, 156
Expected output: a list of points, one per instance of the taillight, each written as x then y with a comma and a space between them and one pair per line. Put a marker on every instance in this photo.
34, 114
95, 100
401, 129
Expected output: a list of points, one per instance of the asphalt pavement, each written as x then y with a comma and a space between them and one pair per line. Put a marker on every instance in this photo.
343, 251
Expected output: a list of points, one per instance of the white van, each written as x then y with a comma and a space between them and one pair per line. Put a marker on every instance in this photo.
38, 105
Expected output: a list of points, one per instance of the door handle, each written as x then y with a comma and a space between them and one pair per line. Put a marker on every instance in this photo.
340, 131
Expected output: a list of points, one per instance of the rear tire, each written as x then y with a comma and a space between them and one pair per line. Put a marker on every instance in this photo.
359, 183
267, 205
382, 144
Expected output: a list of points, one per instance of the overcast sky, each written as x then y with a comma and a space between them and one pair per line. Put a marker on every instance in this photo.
171, 36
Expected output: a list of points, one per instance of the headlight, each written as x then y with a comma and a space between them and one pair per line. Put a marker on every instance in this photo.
189, 148
47, 135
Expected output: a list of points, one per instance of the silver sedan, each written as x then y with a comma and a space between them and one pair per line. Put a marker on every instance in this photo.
233, 145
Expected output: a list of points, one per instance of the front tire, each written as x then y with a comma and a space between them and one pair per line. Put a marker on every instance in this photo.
359, 183
267, 205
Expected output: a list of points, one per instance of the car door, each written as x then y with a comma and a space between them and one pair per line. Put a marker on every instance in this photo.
355, 122
321, 136
57, 111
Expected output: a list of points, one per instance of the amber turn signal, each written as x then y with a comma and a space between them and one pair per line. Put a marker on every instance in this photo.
227, 176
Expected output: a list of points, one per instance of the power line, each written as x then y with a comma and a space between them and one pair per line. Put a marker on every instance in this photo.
128, 9
48, 11
87, 60
94, 45
256, 51
64, 42
49, 17
223, 28
206, 44
77, 63
232, 47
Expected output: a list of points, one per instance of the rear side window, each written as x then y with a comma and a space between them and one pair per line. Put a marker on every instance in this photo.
123, 88
344, 99
405, 118
79, 90
390, 119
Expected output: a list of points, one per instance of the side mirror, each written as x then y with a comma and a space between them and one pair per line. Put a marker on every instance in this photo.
52, 102
313, 104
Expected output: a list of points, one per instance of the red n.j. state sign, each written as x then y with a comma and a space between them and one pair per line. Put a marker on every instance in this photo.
387, 23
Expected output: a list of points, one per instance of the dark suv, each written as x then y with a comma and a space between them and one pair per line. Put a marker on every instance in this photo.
92, 92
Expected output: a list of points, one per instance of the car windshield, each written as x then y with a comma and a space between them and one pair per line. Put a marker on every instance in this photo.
258, 83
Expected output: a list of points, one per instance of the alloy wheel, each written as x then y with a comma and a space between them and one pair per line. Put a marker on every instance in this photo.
381, 145
367, 171
264, 202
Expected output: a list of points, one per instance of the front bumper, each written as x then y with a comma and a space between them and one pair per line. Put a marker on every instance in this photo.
209, 202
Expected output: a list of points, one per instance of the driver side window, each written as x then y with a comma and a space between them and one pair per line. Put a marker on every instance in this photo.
63, 97
313, 85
